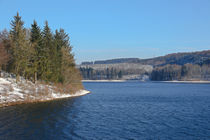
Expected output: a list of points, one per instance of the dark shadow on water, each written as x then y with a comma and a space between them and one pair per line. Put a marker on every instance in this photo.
37, 120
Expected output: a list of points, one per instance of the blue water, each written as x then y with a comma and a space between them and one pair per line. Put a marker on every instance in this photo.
128, 110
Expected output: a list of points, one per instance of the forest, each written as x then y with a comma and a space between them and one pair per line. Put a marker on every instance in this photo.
188, 72
167, 72
108, 74
177, 66
38, 54
117, 71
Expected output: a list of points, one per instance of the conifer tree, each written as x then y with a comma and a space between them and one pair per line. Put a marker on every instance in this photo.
19, 46
40, 55
36, 43
64, 58
47, 53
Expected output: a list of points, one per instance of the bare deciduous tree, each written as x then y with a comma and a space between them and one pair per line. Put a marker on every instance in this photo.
3, 56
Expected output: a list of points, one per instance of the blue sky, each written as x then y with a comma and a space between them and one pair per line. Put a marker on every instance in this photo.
106, 29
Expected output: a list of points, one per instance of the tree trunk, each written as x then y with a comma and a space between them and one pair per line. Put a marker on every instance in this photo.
35, 77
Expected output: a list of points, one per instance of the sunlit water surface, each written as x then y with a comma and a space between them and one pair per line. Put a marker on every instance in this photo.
127, 110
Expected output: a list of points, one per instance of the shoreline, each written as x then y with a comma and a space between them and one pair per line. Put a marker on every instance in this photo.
175, 81
64, 96
104, 80
12, 93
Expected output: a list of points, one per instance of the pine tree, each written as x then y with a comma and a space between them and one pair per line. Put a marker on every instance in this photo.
19, 46
47, 53
41, 55
36, 42
59, 42
65, 59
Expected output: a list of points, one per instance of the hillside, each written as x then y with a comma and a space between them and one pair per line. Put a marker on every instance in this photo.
174, 58
179, 58
125, 71
113, 61
176, 66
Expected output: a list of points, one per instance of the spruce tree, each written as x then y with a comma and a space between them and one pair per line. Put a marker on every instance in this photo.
64, 57
36, 42
42, 55
48, 52
19, 46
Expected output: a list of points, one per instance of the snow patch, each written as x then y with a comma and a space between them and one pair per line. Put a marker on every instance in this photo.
26, 91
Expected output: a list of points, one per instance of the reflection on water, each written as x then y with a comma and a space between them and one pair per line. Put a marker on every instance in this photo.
34, 121
130, 110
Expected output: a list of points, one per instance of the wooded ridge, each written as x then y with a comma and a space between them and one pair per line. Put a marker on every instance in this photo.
176, 66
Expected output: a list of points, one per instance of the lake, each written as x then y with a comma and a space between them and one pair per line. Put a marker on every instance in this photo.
115, 110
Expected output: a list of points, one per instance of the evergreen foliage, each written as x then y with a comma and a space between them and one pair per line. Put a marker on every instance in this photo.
40, 54
89, 73
178, 72
36, 43
20, 47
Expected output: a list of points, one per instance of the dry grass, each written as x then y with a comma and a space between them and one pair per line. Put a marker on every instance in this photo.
70, 88
39, 92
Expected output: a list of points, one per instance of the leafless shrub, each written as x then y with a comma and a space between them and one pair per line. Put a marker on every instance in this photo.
11, 89
4, 92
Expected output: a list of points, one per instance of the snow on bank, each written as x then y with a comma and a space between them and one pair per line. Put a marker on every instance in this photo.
175, 81
25, 91
78, 93
103, 80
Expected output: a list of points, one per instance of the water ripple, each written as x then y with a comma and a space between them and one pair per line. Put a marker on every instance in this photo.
115, 111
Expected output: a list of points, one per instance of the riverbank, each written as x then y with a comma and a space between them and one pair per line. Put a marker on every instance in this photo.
104, 80
12, 93
175, 81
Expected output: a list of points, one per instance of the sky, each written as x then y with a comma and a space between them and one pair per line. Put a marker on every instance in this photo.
107, 29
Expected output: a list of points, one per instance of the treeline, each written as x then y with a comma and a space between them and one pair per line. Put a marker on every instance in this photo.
181, 72
37, 54
176, 66
167, 72
113, 61
199, 57
89, 73
114, 71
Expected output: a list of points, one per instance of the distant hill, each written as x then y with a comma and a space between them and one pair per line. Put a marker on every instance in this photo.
114, 61
175, 66
201, 57
123, 71
179, 59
